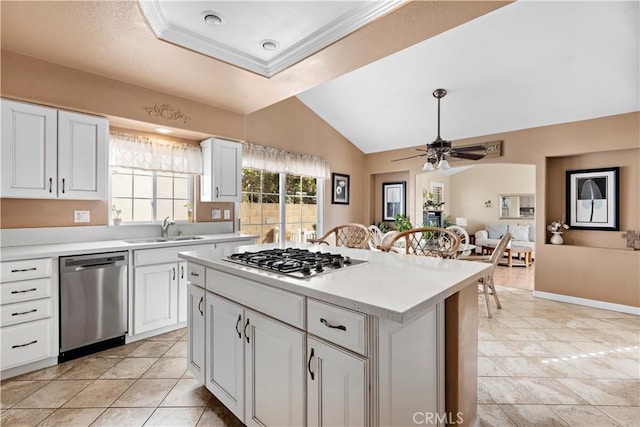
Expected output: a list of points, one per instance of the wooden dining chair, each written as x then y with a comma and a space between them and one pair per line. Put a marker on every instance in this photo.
486, 284
348, 235
427, 241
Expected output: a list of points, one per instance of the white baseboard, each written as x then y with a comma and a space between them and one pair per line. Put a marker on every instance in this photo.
588, 302
144, 335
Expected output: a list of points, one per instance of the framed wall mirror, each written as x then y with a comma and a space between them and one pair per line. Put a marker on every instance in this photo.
517, 206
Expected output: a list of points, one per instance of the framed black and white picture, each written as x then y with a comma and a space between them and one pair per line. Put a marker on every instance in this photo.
593, 199
393, 200
340, 192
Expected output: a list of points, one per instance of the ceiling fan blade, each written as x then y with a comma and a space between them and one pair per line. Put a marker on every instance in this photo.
465, 148
410, 157
468, 156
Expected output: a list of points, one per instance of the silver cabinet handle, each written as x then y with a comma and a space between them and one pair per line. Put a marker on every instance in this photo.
245, 330
217, 192
24, 269
329, 325
26, 290
50, 184
62, 185
194, 274
24, 345
182, 271
200, 306
24, 312
174, 273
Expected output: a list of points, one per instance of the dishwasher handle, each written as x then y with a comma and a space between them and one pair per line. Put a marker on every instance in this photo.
98, 265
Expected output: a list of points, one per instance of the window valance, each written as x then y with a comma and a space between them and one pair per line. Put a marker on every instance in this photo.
275, 160
140, 152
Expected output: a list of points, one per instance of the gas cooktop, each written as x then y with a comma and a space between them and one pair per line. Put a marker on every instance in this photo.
294, 262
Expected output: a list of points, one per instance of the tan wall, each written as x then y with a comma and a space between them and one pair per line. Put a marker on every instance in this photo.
472, 187
376, 194
291, 126
603, 142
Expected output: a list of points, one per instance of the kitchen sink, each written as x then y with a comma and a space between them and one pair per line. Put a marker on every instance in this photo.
163, 239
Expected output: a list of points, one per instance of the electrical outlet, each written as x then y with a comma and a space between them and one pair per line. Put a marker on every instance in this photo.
215, 213
227, 214
81, 216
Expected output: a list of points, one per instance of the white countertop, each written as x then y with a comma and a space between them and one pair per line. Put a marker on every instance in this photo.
391, 286
14, 253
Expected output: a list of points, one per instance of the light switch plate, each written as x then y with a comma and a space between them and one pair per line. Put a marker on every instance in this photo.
227, 214
215, 213
81, 216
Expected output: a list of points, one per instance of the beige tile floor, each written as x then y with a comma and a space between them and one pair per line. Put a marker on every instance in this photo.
541, 363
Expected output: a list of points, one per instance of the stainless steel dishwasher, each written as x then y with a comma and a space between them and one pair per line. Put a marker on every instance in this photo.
93, 303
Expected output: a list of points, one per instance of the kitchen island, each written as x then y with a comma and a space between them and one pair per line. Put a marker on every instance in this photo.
389, 341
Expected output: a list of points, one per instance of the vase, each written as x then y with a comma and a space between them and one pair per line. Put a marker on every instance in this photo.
557, 239
117, 221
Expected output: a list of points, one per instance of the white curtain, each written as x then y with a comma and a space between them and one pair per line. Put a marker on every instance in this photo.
139, 152
274, 160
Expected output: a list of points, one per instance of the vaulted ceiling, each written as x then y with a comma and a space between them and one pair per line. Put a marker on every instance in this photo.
505, 65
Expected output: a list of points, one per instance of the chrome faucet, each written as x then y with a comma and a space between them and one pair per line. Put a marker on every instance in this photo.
165, 226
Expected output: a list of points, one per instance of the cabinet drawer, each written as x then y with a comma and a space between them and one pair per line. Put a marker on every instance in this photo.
25, 269
343, 327
10, 314
25, 343
25, 290
159, 256
195, 274
282, 305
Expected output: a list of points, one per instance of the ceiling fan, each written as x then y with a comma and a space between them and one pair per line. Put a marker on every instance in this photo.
439, 150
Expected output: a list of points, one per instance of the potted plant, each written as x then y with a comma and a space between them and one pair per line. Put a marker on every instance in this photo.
402, 223
429, 203
189, 207
116, 215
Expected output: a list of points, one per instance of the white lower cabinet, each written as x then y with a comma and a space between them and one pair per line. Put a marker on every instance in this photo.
182, 292
255, 365
224, 349
195, 329
336, 386
28, 323
155, 297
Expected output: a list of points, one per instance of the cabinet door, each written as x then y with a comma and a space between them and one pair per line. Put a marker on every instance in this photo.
336, 386
82, 156
29, 141
155, 297
195, 331
182, 291
222, 171
225, 352
274, 373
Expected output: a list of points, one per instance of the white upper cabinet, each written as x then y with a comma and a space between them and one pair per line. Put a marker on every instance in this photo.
48, 154
29, 145
222, 171
82, 156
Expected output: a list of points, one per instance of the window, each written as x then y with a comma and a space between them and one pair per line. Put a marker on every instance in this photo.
437, 189
262, 214
147, 196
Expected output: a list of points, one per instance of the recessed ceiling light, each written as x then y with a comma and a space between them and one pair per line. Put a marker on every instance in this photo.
163, 130
212, 18
269, 44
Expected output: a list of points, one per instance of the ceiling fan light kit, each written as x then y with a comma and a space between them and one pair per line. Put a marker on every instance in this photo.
438, 150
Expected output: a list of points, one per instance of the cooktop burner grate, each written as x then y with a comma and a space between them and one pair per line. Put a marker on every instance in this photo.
295, 262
